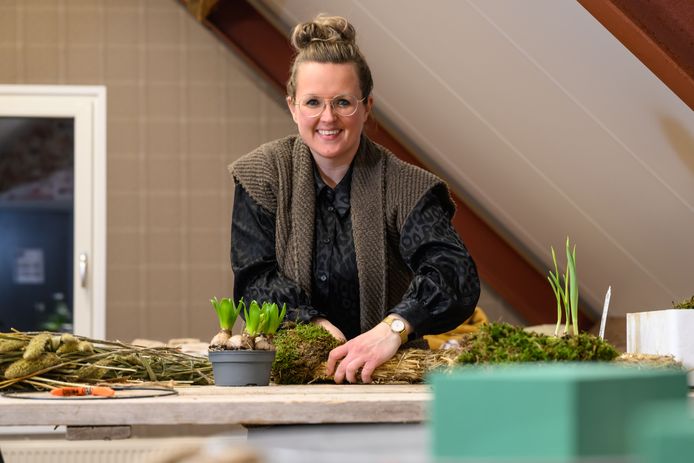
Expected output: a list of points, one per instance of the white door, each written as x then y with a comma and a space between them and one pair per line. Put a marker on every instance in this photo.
53, 208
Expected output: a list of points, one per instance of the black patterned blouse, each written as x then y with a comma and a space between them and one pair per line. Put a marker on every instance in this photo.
443, 292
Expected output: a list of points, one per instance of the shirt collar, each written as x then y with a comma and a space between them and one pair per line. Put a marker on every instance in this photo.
340, 194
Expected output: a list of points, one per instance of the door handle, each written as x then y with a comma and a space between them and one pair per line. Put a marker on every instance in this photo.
83, 269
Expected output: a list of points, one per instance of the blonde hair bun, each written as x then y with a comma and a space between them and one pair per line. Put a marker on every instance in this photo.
327, 29
328, 39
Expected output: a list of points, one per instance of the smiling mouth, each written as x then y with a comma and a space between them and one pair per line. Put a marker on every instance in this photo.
328, 132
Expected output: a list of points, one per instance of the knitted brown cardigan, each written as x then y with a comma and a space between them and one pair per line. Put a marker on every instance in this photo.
279, 176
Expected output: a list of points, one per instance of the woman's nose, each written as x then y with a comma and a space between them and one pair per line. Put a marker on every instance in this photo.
328, 113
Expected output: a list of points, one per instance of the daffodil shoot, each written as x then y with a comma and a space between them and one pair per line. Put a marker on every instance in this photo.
262, 322
566, 295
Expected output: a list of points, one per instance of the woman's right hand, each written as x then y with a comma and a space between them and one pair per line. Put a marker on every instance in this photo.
330, 328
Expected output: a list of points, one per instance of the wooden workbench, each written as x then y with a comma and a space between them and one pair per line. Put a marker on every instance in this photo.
268, 405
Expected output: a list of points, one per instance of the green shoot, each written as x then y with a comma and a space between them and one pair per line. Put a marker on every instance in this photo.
567, 296
227, 312
264, 320
556, 287
253, 319
274, 317
262, 324
573, 284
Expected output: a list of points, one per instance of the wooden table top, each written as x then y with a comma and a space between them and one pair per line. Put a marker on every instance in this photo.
267, 405
300, 404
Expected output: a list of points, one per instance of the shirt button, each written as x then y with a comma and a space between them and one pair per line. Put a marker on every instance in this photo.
323, 277
330, 208
326, 240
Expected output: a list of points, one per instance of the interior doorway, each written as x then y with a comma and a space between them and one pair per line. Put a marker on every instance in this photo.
52, 209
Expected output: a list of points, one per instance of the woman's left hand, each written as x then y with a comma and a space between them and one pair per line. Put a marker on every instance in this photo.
366, 352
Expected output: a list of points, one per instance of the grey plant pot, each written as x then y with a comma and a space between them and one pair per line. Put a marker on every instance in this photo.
242, 367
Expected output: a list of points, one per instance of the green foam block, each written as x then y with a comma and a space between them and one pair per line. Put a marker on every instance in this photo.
663, 432
543, 412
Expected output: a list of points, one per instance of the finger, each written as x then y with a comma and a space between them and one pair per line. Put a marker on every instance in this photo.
351, 371
367, 372
340, 373
333, 357
337, 334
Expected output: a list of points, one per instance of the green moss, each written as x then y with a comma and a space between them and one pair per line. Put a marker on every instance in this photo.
501, 342
300, 350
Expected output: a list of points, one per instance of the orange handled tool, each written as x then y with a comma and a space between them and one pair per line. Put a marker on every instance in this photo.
83, 390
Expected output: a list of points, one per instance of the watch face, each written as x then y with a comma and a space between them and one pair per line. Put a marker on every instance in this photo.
397, 326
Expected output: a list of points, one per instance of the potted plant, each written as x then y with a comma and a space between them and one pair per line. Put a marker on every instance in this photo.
244, 359
664, 332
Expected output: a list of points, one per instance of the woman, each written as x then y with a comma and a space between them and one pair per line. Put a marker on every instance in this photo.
350, 237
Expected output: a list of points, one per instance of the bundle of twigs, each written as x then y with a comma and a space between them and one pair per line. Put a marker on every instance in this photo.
408, 366
649, 360
47, 360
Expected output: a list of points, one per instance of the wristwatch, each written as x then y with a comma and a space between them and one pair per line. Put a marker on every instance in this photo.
397, 326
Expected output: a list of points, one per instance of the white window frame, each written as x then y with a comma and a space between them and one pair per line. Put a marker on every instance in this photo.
87, 106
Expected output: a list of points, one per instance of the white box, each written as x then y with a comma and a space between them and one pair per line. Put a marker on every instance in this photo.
663, 332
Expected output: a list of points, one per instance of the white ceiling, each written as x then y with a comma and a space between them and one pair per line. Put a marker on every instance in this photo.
547, 125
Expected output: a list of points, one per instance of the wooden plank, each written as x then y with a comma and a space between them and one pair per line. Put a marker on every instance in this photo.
98, 432
294, 389
247, 405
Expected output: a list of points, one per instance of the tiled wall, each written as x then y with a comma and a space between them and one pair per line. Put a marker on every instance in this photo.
181, 106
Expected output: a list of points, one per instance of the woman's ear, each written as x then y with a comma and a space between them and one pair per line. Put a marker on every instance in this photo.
368, 104
292, 108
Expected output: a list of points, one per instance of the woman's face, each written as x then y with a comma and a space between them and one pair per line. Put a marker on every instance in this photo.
330, 136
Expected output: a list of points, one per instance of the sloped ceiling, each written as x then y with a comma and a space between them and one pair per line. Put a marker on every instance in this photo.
547, 125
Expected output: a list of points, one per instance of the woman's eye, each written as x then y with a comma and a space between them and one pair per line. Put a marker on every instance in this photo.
312, 103
343, 103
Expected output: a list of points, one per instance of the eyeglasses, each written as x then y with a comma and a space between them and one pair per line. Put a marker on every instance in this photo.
342, 105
